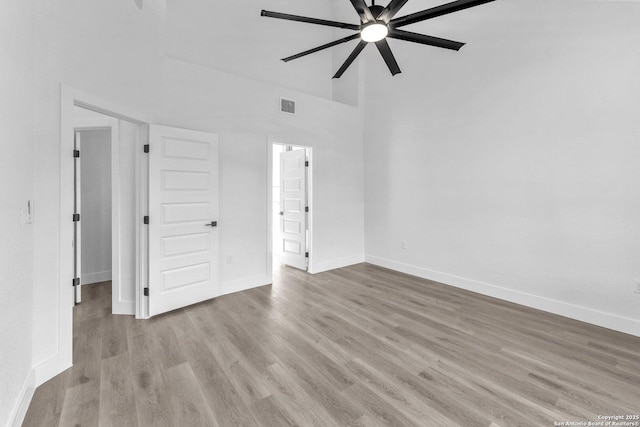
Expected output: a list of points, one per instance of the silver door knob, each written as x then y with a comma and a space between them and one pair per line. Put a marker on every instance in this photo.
212, 224
281, 213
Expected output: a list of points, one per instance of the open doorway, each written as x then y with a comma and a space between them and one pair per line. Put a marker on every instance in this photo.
291, 197
105, 208
137, 122
93, 234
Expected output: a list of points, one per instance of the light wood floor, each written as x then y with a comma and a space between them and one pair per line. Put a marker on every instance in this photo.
357, 346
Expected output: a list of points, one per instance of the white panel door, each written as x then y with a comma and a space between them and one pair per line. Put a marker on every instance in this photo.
293, 201
183, 212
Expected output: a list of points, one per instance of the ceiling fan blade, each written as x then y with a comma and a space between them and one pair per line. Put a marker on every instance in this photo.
363, 10
436, 11
385, 51
390, 11
298, 18
350, 59
424, 39
319, 48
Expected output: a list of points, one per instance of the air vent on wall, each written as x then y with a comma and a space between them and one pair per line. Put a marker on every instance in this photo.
287, 106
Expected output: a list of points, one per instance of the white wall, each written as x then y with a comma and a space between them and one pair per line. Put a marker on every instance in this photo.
242, 211
110, 50
95, 209
16, 187
233, 37
511, 167
348, 88
246, 44
245, 113
508, 164
116, 52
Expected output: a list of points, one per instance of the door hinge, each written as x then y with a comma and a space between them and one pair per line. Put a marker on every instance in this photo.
76, 217
306, 209
306, 254
75, 282
306, 162
146, 292
146, 219
76, 153
146, 148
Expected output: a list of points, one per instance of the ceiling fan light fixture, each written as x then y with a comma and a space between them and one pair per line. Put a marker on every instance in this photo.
374, 31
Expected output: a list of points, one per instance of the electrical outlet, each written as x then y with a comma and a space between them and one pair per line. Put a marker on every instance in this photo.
403, 244
229, 259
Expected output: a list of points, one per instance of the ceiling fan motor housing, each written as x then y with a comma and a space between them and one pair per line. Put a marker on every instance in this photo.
376, 10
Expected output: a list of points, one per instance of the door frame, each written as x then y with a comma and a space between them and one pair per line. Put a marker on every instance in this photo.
279, 140
113, 125
77, 225
71, 97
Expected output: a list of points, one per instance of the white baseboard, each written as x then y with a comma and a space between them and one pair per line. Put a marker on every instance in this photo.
123, 307
24, 399
332, 264
244, 284
99, 276
583, 314
51, 367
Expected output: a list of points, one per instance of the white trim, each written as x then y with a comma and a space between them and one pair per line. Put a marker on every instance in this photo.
96, 123
69, 97
24, 399
141, 304
77, 238
104, 106
97, 277
124, 307
269, 184
116, 253
310, 215
332, 264
243, 284
572, 311
51, 367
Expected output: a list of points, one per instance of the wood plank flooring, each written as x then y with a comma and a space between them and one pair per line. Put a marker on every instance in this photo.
356, 346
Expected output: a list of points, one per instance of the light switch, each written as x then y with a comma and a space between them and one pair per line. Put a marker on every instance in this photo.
28, 212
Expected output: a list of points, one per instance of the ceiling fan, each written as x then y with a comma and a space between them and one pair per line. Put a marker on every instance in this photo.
376, 24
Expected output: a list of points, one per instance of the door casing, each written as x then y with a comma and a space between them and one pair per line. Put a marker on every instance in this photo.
71, 98
77, 225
